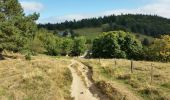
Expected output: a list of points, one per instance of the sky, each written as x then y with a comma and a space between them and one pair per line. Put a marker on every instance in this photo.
56, 11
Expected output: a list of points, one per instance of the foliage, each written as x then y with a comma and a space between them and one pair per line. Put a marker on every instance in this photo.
160, 49
46, 41
116, 44
52, 45
146, 42
78, 46
16, 29
66, 46
28, 56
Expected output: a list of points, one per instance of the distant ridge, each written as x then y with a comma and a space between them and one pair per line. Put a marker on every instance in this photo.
152, 25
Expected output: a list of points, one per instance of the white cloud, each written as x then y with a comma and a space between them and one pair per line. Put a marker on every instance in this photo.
59, 19
31, 6
158, 7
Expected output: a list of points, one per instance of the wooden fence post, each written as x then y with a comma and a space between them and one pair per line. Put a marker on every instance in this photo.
151, 74
132, 66
99, 61
115, 63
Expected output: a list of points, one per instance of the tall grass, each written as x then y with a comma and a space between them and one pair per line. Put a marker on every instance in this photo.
42, 78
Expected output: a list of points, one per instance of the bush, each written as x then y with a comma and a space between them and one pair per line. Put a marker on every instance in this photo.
28, 56
152, 93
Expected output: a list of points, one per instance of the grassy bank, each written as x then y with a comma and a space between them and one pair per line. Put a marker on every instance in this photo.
42, 78
115, 77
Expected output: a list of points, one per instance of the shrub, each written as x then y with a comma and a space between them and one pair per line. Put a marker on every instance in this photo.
28, 56
166, 85
111, 92
152, 93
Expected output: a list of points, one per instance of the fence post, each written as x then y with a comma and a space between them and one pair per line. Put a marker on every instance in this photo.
115, 63
99, 60
132, 66
151, 73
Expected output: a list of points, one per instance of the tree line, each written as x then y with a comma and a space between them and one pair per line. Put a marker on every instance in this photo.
120, 44
152, 25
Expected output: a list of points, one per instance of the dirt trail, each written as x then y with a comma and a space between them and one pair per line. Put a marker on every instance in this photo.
83, 87
78, 89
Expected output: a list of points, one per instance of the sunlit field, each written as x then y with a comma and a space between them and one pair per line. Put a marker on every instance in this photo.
42, 78
149, 80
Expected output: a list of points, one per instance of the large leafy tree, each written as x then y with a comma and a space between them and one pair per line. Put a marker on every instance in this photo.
116, 44
16, 29
106, 46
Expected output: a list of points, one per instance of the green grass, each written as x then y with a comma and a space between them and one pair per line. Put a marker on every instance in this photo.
89, 33
137, 84
92, 33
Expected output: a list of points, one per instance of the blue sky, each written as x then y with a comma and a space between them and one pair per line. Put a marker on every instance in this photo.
60, 10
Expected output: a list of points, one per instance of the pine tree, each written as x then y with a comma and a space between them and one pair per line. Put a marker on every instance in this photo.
16, 29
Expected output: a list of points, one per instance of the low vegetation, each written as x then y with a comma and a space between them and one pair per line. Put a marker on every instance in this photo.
114, 76
42, 78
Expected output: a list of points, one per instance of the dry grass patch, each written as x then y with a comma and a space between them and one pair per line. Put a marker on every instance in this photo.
113, 71
42, 78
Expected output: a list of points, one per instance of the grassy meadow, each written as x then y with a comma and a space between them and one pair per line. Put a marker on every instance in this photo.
89, 33
92, 33
115, 79
42, 78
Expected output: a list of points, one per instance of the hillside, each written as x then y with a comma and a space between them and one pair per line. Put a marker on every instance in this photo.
92, 33
143, 24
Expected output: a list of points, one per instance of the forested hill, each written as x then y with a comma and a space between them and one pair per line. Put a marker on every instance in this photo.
145, 24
